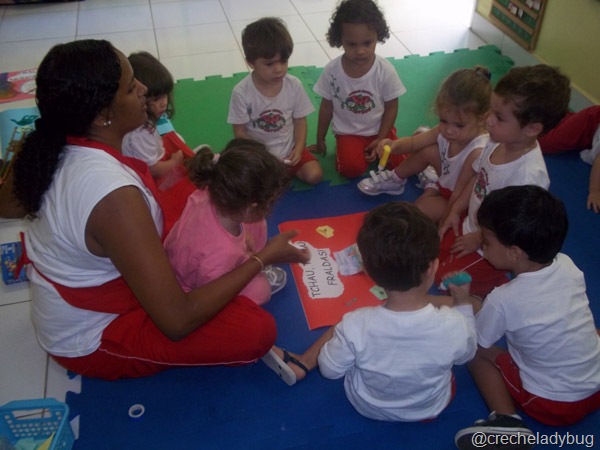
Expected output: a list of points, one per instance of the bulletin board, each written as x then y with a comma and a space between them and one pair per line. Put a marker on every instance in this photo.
519, 19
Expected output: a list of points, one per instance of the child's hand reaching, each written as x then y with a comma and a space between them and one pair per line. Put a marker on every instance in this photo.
468, 243
371, 151
461, 296
168, 171
593, 201
381, 144
294, 157
452, 221
176, 157
320, 148
461, 292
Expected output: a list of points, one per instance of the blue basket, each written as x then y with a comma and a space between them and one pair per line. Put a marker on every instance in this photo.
37, 419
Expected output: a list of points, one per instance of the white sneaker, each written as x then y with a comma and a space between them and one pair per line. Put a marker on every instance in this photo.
382, 182
277, 277
427, 177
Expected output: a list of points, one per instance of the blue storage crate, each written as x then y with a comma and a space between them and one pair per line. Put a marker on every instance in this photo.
37, 419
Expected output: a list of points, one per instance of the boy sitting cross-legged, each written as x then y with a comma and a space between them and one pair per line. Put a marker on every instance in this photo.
397, 358
270, 105
551, 370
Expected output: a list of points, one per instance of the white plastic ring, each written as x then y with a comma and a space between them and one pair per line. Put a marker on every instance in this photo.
136, 411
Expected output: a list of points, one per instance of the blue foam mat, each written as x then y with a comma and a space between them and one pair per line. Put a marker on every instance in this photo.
249, 408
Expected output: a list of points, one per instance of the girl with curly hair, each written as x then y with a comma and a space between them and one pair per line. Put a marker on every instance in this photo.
359, 89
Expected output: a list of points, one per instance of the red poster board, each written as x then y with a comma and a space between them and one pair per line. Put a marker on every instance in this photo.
326, 295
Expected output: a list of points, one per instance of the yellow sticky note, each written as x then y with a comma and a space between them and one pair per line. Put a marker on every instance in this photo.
378, 292
325, 231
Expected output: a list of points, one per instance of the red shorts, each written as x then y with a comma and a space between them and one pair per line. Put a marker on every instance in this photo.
132, 346
350, 154
549, 412
306, 157
574, 132
485, 276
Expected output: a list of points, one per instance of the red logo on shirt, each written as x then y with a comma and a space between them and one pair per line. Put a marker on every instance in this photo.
481, 184
271, 121
360, 102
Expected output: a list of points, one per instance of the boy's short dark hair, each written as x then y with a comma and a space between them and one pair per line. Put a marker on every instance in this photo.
265, 38
357, 11
397, 243
540, 93
527, 216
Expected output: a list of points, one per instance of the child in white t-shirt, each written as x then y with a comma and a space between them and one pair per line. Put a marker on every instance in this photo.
397, 358
525, 102
450, 148
551, 370
270, 105
144, 143
359, 89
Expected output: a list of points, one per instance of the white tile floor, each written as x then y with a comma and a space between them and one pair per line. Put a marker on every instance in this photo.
194, 39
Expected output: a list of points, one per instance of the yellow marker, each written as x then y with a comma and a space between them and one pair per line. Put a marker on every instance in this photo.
384, 158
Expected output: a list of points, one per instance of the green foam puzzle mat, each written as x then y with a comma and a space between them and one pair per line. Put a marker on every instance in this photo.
202, 105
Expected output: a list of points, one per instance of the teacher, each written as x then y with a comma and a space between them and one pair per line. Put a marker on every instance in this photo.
105, 300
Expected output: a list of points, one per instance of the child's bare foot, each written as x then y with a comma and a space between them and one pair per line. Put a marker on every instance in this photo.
285, 364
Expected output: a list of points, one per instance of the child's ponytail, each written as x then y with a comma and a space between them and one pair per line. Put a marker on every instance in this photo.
483, 71
201, 168
243, 174
468, 90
